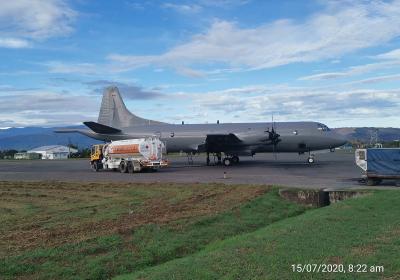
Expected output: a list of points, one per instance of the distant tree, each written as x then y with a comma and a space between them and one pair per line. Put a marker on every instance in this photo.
6, 154
85, 153
70, 145
392, 144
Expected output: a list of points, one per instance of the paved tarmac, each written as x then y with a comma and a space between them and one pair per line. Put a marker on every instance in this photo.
331, 170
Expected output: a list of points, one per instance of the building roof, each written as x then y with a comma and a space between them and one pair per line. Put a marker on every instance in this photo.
53, 149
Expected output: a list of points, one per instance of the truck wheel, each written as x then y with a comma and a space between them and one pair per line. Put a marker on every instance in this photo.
95, 166
130, 167
371, 182
122, 167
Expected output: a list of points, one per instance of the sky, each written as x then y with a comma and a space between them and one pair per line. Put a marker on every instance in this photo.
335, 62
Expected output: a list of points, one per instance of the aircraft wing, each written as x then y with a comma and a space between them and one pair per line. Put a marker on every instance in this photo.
222, 142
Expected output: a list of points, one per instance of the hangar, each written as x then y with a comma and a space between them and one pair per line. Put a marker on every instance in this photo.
54, 151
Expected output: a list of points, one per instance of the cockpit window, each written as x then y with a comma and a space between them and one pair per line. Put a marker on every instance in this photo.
323, 127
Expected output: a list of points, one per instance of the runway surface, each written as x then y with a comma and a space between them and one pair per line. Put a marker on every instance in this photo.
331, 170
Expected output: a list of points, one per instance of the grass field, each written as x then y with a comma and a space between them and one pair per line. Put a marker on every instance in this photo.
96, 231
362, 234
189, 231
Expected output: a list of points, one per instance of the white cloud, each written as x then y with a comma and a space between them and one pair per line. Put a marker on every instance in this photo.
39, 107
13, 43
341, 107
183, 8
223, 3
352, 71
391, 55
70, 68
338, 30
190, 8
377, 79
34, 20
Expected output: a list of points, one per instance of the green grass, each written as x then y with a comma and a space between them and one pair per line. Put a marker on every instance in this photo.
189, 231
364, 230
198, 215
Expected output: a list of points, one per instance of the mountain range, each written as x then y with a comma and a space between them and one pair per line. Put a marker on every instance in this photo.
27, 138
31, 137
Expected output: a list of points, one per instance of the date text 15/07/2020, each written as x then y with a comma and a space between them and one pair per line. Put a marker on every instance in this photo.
337, 268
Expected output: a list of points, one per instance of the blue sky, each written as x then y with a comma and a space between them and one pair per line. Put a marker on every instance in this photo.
200, 61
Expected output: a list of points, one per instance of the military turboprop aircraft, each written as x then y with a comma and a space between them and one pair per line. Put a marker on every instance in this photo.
115, 122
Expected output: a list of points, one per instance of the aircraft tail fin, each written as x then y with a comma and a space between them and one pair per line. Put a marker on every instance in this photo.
113, 112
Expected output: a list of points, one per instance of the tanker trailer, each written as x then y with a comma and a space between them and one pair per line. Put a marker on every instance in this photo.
133, 155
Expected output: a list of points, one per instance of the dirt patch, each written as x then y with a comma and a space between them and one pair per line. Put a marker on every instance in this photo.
387, 237
156, 208
393, 277
364, 251
335, 260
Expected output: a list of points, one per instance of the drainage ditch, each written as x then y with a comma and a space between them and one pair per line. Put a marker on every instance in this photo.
318, 198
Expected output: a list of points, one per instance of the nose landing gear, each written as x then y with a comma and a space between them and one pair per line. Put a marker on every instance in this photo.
310, 159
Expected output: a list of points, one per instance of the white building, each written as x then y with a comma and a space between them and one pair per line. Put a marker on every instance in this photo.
54, 151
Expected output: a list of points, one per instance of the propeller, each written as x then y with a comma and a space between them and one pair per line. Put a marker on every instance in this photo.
273, 137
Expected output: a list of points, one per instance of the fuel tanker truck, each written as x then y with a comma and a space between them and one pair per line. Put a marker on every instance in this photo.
128, 156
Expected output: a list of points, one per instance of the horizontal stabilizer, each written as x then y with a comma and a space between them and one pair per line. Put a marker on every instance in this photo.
101, 128
85, 132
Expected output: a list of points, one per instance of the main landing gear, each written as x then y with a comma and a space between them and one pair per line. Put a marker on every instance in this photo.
227, 161
310, 159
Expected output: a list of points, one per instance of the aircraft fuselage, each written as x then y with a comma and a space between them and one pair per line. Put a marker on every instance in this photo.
294, 136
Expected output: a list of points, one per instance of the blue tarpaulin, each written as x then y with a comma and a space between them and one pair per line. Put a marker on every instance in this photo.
383, 161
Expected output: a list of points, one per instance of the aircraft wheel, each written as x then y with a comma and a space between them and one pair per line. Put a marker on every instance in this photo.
310, 160
227, 161
235, 159
123, 167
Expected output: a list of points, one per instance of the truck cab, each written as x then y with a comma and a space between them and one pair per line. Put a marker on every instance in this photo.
96, 157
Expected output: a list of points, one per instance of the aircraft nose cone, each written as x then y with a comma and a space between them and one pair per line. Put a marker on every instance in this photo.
339, 140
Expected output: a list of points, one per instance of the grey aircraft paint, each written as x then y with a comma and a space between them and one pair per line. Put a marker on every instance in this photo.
115, 122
